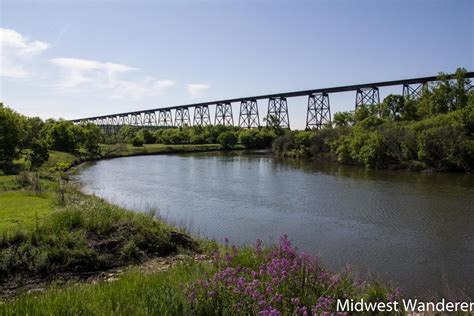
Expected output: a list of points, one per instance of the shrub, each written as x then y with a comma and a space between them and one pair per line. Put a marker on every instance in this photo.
137, 141
227, 139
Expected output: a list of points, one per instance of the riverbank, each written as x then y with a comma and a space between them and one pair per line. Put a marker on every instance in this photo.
69, 237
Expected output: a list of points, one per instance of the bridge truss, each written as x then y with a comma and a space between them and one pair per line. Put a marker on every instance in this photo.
318, 107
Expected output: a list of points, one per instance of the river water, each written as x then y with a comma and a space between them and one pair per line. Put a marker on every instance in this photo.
414, 229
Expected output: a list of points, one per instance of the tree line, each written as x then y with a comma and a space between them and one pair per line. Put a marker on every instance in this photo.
32, 138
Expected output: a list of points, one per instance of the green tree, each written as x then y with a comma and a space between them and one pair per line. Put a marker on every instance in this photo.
137, 141
11, 136
227, 139
147, 136
63, 136
273, 122
33, 127
344, 119
39, 153
92, 136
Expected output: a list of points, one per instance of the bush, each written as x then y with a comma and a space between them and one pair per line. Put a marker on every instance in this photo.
227, 139
257, 138
137, 141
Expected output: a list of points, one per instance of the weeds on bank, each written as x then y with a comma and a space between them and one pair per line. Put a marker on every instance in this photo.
233, 281
85, 234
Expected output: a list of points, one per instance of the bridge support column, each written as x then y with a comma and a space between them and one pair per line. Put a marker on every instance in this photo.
249, 114
278, 108
136, 120
150, 119
413, 91
367, 96
224, 114
181, 117
165, 118
201, 115
319, 111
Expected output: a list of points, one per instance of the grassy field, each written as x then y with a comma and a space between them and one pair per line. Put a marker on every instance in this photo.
22, 209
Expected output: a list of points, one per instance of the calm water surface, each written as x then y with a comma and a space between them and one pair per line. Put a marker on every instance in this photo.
414, 229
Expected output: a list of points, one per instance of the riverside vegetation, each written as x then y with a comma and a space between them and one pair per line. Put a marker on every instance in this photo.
435, 131
50, 231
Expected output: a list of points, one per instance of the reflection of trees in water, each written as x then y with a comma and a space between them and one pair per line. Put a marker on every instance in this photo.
418, 179
360, 173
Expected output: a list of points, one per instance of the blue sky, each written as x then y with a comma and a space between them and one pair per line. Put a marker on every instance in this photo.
73, 59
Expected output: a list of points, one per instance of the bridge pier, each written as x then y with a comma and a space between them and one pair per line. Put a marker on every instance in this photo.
224, 114
319, 111
165, 118
413, 91
150, 119
181, 117
278, 108
367, 96
201, 115
248, 117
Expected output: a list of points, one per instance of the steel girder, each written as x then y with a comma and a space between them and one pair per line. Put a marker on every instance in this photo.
201, 116
367, 96
319, 111
224, 114
278, 108
181, 117
248, 117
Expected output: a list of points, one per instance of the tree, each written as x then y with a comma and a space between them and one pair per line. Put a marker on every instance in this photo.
33, 127
343, 119
273, 122
11, 135
62, 136
92, 136
147, 136
227, 139
392, 106
137, 141
39, 153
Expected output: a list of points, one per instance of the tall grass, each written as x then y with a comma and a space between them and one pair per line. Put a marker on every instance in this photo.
245, 281
85, 235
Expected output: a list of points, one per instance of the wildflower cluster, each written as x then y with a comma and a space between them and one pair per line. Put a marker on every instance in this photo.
273, 281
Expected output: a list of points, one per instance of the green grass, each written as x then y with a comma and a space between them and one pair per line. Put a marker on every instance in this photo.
7, 183
22, 209
162, 293
56, 157
87, 234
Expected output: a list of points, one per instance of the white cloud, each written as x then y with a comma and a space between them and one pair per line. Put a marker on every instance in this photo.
197, 90
15, 51
107, 78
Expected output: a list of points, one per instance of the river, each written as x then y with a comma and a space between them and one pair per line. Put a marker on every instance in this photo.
415, 230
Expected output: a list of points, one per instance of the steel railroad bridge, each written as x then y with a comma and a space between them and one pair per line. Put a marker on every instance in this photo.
318, 107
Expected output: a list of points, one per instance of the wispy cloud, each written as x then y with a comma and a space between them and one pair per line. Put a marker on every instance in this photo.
106, 77
15, 51
197, 90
